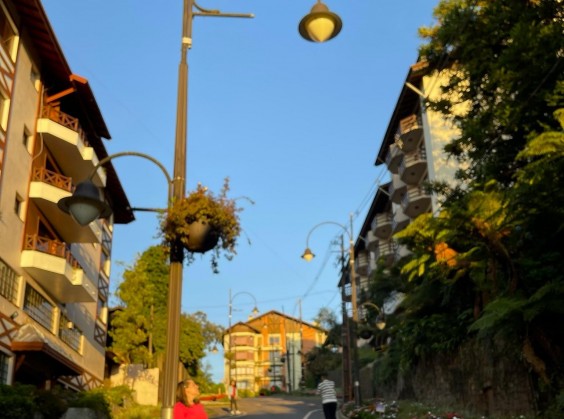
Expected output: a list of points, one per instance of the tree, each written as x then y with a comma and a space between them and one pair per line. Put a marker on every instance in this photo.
138, 329
508, 60
502, 231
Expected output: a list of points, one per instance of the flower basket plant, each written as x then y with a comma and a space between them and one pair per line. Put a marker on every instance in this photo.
203, 221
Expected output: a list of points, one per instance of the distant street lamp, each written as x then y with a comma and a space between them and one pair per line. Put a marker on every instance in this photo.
308, 255
320, 24
254, 312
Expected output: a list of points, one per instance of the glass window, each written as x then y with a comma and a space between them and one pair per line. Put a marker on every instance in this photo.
70, 334
8, 282
38, 308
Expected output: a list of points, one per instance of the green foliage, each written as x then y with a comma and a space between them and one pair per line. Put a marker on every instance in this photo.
17, 401
506, 57
138, 328
320, 360
219, 212
52, 403
503, 225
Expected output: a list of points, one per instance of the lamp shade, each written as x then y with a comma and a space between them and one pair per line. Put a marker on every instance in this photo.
320, 24
85, 204
308, 255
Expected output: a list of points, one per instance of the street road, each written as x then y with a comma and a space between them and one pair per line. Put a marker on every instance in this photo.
278, 407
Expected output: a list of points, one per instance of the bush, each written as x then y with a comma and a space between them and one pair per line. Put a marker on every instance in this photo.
17, 401
264, 392
52, 403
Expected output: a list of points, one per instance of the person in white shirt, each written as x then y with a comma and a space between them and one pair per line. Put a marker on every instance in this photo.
326, 389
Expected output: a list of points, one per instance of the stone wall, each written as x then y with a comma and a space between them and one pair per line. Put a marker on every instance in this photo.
480, 377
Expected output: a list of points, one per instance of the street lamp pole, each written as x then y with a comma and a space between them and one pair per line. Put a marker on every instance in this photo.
308, 255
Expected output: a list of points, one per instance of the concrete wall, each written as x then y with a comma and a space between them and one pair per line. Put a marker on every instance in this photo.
145, 382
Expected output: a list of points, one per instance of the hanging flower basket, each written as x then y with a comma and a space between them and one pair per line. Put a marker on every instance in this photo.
201, 237
202, 222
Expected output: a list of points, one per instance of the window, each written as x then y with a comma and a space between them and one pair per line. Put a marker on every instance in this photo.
274, 340
27, 139
18, 207
8, 282
105, 262
38, 308
4, 364
102, 311
35, 79
69, 333
274, 357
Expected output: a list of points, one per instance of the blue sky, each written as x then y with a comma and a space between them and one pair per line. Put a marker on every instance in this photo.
295, 125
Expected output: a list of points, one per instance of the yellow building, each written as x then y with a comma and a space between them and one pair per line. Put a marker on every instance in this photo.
54, 274
268, 350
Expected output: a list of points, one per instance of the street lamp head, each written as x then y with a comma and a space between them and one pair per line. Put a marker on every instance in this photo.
308, 255
380, 322
320, 24
85, 204
255, 311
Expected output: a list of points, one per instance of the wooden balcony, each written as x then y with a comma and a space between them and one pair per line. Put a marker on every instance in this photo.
410, 133
46, 189
52, 265
393, 158
68, 144
382, 225
416, 201
413, 167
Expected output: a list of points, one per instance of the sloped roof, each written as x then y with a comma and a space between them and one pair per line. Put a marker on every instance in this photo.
406, 105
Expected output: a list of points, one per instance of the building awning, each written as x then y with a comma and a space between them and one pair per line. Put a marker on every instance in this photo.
36, 351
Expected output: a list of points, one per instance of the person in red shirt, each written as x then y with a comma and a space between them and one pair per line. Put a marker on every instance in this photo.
186, 406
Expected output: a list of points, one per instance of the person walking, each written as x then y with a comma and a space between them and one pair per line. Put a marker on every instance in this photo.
187, 407
233, 398
326, 389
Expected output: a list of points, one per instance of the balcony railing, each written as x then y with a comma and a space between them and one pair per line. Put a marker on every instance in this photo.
413, 167
50, 247
415, 201
382, 225
41, 174
410, 132
66, 120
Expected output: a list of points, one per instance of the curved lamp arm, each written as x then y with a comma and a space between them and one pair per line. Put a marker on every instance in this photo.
381, 319
255, 309
308, 254
86, 204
